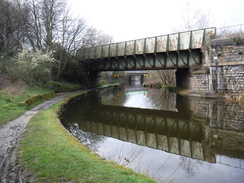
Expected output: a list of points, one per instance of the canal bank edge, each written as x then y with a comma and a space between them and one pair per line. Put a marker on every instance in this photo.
191, 93
58, 129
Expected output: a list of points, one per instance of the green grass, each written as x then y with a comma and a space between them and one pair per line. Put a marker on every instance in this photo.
53, 155
12, 105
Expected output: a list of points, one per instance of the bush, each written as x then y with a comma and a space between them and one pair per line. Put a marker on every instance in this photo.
35, 68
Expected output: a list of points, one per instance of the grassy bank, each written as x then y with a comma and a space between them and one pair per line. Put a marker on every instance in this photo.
17, 98
12, 101
54, 155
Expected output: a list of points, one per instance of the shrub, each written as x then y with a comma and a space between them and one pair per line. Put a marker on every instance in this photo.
35, 68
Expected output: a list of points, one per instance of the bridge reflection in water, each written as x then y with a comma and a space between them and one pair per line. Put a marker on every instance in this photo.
203, 130
172, 132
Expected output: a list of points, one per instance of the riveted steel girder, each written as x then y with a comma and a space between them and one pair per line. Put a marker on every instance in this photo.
161, 52
167, 60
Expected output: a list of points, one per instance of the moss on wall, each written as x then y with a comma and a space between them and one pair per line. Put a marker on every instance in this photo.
36, 98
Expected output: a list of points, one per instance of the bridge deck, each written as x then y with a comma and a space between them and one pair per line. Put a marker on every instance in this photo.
166, 51
171, 42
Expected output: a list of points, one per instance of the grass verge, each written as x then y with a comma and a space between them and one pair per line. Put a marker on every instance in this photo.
12, 104
17, 98
54, 155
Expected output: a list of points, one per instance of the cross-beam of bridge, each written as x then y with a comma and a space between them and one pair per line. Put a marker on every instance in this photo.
177, 50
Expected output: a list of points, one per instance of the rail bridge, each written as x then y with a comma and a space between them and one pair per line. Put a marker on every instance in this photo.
218, 58
130, 75
171, 51
178, 50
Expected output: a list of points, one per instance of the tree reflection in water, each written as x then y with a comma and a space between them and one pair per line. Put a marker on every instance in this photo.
191, 167
123, 159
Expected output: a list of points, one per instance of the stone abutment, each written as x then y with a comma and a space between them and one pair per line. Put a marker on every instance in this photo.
223, 69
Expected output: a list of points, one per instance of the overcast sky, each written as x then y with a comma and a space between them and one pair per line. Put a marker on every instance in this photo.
134, 19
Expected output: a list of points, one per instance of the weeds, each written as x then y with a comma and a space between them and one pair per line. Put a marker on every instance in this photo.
16, 88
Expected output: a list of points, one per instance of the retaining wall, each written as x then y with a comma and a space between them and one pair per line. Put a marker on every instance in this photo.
223, 73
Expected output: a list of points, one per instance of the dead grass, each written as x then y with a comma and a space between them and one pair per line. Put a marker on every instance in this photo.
241, 98
5, 80
15, 88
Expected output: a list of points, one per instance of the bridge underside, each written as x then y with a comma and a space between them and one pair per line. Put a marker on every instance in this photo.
154, 61
171, 51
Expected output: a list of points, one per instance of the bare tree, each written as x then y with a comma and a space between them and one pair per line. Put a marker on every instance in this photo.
46, 26
167, 77
193, 18
50, 27
190, 166
51, 14
50, 22
94, 37
11, 31
11, 24
43, 23
71, 39
161, 77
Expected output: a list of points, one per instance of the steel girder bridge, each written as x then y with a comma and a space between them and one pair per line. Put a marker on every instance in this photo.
164, 130
140, 74
172, 51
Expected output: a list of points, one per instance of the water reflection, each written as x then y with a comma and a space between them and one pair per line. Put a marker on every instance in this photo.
175, 137
135, 95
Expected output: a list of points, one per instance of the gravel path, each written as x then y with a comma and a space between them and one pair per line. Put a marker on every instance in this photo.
10, 134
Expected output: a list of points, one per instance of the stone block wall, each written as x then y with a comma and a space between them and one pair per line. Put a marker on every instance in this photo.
225, 69
228, 54
200, 82
230, 80
227, 66
223, 124
218, 114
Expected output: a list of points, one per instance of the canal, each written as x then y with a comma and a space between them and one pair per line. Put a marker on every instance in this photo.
161, 134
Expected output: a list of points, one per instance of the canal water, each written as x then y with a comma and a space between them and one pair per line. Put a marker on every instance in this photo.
161, 134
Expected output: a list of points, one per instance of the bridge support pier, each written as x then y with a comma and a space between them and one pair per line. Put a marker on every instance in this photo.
93, 79
129, 79
142, 79
183, 78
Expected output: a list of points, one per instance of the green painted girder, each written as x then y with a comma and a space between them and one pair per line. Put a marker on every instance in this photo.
168, 60
179, 50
